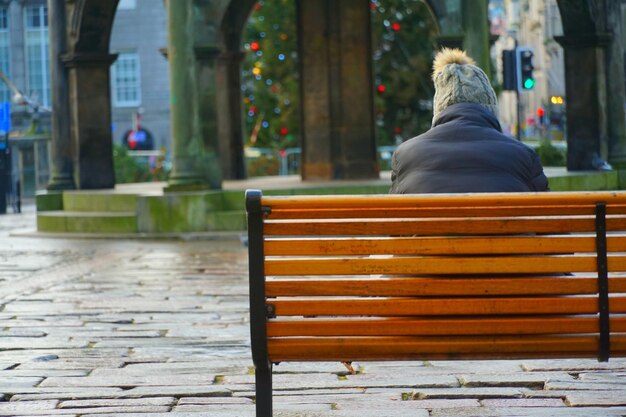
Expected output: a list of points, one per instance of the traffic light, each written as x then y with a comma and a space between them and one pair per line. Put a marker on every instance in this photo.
508, 70
524, 60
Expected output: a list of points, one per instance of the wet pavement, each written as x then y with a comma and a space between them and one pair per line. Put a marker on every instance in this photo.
155, 328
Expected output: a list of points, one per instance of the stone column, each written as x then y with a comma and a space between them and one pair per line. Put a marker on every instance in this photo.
61, 143
476, 29
206, 57
187, 146
615, 84
337, 90
90, 109
229, 115
586, 91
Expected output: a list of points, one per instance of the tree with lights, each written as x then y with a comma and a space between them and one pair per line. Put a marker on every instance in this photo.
403, 43
270, 77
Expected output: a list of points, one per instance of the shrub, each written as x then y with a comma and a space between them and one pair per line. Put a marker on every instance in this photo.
262, 166
550, 155
131, 169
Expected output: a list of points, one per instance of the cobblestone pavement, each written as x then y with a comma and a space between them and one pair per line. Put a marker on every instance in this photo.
139, 328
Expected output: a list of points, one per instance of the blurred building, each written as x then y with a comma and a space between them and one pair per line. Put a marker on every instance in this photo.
24, 60
534, 24
139, 76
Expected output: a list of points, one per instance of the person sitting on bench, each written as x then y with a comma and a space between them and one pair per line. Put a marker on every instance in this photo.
465, 150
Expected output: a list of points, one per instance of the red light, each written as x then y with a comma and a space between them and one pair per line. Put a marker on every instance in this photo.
253, 109
540, 111
282, 153
381, 89
373, 6
395, 26
254, 46
258, 7
397, 130
284, 131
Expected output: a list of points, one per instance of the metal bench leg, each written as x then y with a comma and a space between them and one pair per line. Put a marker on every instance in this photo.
263, 380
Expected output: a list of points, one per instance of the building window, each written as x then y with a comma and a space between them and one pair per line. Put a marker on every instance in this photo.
5, 57
127, 5
126, 80
37, 61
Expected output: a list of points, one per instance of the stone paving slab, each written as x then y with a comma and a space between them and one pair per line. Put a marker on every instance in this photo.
478, 393
178, 391
596, 398
568, 365
528, 379
126, 381
15, 382
208, 401
531, 412
17, 407
583, 386
384, 404
65, 393
523, 402
83, 411
603, 377
118, 402
43, 373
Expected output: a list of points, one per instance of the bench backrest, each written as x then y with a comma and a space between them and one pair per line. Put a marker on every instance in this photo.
391, 277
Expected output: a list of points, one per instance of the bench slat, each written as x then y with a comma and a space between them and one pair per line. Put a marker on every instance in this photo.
443, 306
436, 326
406, 347
449, 226
384, 212
443, 200
434, 245
428, 286
436, 265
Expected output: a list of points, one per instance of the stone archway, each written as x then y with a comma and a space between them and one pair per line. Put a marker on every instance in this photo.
230, 122
81, 127
594, 66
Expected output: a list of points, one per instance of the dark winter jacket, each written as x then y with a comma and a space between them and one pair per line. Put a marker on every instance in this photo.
465, 151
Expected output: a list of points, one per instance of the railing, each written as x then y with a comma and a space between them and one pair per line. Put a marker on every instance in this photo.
289, 159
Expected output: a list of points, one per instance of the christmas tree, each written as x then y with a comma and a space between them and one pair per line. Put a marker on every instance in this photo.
403, 43
270, 78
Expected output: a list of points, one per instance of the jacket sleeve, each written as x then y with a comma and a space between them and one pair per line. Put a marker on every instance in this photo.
538, 181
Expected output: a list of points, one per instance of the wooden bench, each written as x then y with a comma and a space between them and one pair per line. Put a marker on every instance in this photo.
431, 277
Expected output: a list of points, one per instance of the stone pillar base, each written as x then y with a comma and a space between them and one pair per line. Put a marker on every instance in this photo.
61, 182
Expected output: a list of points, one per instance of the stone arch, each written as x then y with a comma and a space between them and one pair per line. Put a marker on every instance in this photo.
90, 25
228, 74
233, 22
81, 143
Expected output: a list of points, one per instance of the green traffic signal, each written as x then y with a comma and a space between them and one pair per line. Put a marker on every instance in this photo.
524, 66
529, 83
